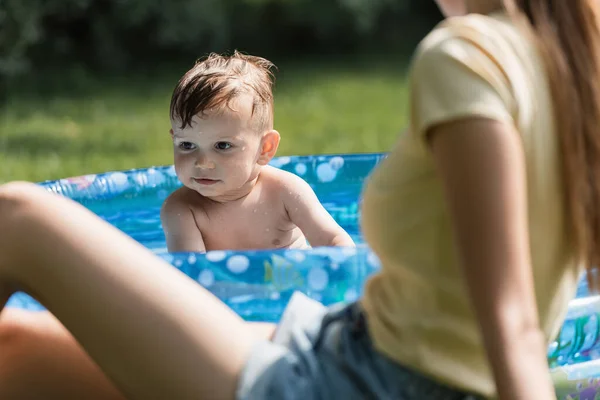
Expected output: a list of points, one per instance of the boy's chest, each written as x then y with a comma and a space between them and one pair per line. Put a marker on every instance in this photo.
259, 226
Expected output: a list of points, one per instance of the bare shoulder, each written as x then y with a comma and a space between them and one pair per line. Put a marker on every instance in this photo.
175, 200
304, 210
285, 182
180, 200
180, 222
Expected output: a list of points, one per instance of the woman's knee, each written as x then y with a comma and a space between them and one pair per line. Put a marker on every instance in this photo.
39, 359
20, 204
16, 339
18, 330
10, 333
15, 194
15, 199
32, 340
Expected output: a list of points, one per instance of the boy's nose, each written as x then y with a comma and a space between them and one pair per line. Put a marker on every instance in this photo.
204, 163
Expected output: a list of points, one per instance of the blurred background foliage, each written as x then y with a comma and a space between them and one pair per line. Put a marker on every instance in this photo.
86, 84
120, 34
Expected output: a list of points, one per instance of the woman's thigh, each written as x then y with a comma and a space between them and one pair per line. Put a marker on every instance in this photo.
40, 359
153, 331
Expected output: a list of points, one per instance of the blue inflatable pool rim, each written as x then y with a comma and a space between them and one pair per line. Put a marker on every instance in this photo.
258, 284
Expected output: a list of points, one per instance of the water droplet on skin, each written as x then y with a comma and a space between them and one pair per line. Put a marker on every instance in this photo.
267, 229
254, 210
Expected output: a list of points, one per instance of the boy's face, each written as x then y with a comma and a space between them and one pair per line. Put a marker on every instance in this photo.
221, 153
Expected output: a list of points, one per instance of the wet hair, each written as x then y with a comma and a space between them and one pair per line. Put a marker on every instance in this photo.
216, 81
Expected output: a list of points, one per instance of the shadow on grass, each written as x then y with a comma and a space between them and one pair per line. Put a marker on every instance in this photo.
34, 145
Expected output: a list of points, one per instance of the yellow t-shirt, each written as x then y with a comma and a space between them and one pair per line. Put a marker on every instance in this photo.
417, 306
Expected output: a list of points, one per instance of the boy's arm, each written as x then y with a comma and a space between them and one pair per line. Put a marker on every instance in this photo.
180, 228
306, 211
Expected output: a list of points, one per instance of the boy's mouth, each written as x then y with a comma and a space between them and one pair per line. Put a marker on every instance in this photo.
205, 181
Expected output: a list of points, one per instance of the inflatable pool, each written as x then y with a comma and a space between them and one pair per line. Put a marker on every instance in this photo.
258, 284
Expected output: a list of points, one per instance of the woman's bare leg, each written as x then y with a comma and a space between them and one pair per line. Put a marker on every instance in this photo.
40, 359
153, 331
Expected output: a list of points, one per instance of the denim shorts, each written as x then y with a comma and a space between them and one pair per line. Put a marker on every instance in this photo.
326, 353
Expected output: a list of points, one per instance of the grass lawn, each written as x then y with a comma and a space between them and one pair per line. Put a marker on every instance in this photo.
73, 123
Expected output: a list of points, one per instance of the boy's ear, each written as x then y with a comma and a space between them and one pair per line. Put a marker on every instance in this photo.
269, 145
171, 133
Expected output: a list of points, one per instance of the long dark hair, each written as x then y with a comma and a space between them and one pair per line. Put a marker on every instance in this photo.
568, 36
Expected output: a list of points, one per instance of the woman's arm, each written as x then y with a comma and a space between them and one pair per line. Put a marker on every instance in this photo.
481, 164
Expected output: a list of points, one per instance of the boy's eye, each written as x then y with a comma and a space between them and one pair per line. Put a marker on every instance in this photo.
187, 146
223, 146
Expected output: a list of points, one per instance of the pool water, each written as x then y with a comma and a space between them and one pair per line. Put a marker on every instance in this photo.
258, 284
131, 200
